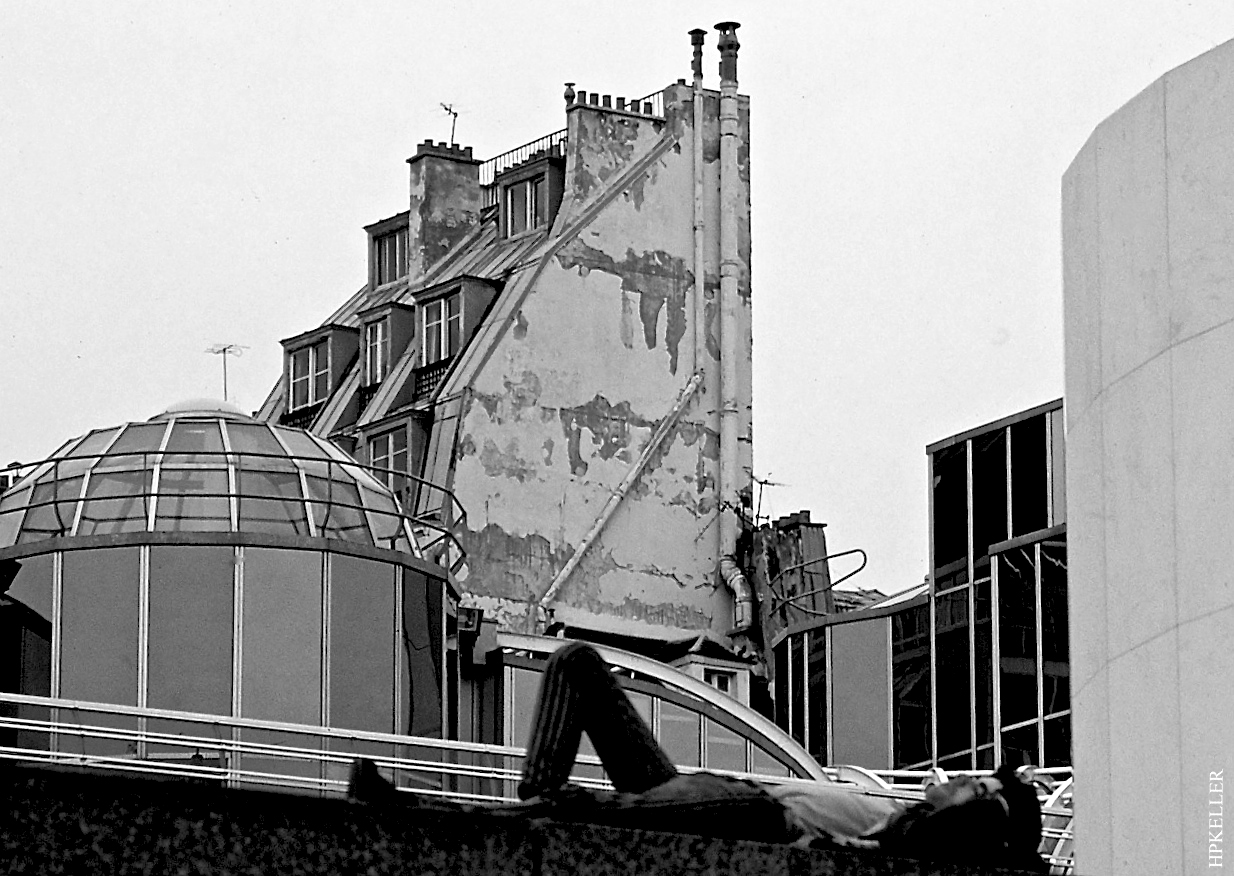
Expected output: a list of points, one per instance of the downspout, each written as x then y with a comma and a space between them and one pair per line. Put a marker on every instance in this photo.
730, 273
698, 304
621, 490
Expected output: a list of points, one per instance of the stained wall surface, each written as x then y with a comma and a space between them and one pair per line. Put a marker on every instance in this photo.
1148, 244
583, 357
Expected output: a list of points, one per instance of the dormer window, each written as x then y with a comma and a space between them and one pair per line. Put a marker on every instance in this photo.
310, 375
390, 256
526, 205
376, 351
443, 328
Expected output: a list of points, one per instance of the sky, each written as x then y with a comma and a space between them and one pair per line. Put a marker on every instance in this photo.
177, 175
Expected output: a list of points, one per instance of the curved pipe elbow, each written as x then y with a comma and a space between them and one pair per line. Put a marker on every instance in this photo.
743, 595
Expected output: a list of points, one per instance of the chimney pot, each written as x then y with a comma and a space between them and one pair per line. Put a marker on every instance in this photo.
608, 101
569, 95
728, 46
594, 99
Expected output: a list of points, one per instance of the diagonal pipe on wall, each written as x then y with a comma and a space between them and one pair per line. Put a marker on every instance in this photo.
621, 490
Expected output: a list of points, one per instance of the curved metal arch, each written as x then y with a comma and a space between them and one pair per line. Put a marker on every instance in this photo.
673, 678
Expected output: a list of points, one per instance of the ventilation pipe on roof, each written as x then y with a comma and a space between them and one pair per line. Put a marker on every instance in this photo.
730, 272
698, 303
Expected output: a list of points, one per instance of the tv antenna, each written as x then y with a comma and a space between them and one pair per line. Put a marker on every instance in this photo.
453, 114
225, 350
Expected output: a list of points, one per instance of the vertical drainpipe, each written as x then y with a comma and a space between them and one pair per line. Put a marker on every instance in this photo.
699, 304
730, 272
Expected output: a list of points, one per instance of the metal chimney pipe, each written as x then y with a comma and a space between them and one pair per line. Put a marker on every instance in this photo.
698, 304
730, 274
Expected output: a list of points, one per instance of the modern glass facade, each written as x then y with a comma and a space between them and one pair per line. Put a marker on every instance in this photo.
976, 671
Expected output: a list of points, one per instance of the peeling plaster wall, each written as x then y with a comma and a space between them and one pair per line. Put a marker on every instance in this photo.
599, 350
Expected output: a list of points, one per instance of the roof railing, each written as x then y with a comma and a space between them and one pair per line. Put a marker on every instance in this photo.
423, 512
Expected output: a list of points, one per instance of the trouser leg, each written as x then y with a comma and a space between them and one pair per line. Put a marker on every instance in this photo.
578, 693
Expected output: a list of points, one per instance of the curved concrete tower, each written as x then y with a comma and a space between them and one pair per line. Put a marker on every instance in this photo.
1148, 247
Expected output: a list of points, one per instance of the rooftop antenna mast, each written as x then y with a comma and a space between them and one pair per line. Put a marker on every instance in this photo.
225, 350
453, 114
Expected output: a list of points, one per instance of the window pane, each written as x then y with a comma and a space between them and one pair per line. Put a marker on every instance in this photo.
282, 636
25, 646
910, 669
726, 750
12, 508
421, 654
1020, 746
134, 446
385, 518
1058, 741
321, 372
797, 687
270, 501
763, 764
361, 644
258, 445
52, 506
817, 718
950, 468
193, 500
190, 628
337, 511
983, 663
1017, 635
951, 649
1028, 476
1058, 459
679, 729
432, 332
189, 440
780, 684
516, 208
1055, 666
989, 491
99, 637
116, 501
454, 326
85, 454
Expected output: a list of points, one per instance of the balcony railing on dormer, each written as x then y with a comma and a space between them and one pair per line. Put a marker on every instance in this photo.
553, 144
428, 377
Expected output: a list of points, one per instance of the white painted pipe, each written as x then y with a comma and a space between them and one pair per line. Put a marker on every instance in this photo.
621, 490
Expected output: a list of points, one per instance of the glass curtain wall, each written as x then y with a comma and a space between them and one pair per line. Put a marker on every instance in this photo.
998, 616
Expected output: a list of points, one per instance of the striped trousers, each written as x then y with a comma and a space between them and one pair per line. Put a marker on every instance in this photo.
579, 694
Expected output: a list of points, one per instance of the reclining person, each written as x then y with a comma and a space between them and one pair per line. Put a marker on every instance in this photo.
990, 821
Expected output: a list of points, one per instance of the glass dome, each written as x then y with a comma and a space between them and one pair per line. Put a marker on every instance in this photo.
204, 466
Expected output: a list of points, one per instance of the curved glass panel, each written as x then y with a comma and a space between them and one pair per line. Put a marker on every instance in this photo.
679, 733
25, 645
134, 447
270, 501
193, 500
385, 518
85, 454
765, 764
259, 448
726, 750
361, 644
191, 438
337, 510
12, 507
52, 506
190, 628
116, 501
281, 676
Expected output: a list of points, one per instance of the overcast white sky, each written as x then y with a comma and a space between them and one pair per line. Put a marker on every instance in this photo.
175, 175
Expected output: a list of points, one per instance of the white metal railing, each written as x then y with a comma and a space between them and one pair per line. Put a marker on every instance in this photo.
247, 752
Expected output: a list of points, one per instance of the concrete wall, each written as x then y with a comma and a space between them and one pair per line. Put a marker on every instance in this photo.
1148, 243
583, 357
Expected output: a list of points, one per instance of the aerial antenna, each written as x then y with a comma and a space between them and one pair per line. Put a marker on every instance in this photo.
226, 350
453, 114
762, 484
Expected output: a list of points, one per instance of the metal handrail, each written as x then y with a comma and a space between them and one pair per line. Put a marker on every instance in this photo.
455, 516
494, 767
498, 164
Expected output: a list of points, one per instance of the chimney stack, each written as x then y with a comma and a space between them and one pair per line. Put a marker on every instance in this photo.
445, 202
